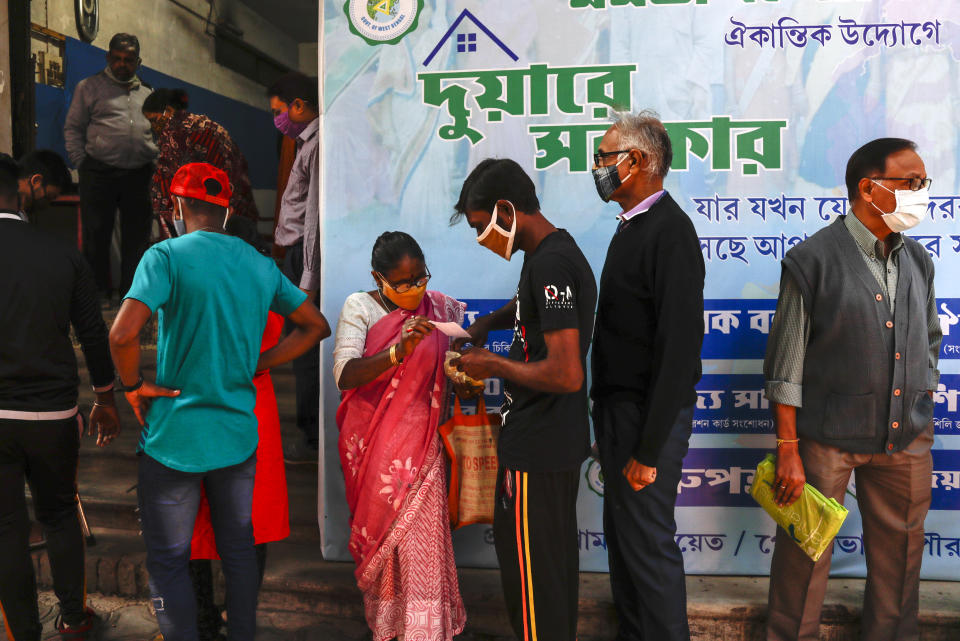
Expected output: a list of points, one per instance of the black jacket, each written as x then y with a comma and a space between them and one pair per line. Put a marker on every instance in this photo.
45, 287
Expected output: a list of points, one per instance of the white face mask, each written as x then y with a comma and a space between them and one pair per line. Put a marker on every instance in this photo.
910, 209
502, 243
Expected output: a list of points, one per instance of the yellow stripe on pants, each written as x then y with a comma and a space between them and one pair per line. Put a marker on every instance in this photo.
6, 623
526, 550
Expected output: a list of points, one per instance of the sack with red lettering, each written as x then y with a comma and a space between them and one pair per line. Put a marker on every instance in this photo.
471, 443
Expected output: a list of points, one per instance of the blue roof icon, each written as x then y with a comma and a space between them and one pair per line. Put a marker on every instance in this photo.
456, 23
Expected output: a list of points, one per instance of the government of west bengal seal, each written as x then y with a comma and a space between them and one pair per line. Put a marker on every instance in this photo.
382, 22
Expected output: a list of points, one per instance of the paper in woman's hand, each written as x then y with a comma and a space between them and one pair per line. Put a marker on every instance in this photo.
451, 329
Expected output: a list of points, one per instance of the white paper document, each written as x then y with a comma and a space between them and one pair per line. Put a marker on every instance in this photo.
451, 329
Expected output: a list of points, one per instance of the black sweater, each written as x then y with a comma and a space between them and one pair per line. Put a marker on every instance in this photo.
45, 287
649, 327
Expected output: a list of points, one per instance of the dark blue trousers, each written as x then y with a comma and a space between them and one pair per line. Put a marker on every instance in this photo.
646, 565
168, 508
306, 368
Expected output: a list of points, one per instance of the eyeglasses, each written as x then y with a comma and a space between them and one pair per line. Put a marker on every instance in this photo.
406, 285
916, 184
600, 155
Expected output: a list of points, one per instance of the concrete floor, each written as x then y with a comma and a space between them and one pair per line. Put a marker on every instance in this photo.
133, 620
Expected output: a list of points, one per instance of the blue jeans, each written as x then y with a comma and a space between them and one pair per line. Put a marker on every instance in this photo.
168, 508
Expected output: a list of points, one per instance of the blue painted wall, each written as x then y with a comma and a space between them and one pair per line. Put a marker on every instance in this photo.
251, 128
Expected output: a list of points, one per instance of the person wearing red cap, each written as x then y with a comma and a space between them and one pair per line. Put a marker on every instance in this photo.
212, 292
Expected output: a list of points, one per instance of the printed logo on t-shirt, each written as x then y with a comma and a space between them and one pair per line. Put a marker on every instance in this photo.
558, 297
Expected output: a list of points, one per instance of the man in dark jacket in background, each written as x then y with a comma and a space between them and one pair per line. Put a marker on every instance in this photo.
43, 177
46, 288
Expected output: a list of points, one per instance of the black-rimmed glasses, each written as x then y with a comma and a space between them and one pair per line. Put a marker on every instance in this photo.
406, 285
600, 155
916, 184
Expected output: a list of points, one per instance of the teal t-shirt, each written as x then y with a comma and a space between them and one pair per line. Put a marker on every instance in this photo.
212, 292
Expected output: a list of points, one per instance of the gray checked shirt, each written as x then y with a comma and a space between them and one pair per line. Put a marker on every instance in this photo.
790, 330
299, 216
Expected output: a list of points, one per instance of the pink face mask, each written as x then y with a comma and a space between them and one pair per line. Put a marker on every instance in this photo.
287, 127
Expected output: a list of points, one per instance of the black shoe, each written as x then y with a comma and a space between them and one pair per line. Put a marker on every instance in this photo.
81, 631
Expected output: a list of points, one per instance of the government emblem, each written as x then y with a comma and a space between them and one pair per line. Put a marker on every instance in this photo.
382, 22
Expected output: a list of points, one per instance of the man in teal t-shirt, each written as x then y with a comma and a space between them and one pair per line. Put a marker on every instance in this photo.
212, 293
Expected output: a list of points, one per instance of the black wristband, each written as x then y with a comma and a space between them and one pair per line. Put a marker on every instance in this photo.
132, 388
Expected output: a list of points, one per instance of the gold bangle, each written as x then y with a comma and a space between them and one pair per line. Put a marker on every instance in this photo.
781, 441
393, 355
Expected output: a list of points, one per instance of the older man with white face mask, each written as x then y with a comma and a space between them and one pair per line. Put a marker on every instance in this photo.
850, 369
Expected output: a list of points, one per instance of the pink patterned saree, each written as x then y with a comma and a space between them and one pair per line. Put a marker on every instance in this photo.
394, 471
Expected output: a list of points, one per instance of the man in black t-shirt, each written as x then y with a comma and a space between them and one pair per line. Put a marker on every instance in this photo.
545, 435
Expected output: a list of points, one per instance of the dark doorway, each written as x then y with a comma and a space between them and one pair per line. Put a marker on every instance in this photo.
21, 77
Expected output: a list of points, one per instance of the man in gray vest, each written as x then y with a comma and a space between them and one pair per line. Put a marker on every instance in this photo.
850, 369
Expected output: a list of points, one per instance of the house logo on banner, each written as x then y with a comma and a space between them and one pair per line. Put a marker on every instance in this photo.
467, 39
382, 22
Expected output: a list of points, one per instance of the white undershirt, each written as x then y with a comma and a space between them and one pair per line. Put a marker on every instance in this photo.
360, 312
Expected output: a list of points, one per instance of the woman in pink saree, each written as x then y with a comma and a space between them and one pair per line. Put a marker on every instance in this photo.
388, 360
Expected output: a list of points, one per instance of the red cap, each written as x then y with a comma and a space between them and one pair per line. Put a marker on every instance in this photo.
202, 181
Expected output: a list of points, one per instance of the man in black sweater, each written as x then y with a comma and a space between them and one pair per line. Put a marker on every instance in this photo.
46, 287
646, 361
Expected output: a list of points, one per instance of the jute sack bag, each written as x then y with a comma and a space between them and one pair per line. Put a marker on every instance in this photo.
471, 444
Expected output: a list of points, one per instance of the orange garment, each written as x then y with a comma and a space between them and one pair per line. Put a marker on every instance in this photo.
271, 510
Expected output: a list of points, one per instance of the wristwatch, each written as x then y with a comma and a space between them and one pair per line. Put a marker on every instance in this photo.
132, 388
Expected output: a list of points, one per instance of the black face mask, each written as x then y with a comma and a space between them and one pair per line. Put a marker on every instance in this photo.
607, 179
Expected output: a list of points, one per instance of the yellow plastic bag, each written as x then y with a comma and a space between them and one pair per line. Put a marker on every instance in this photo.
812, 521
